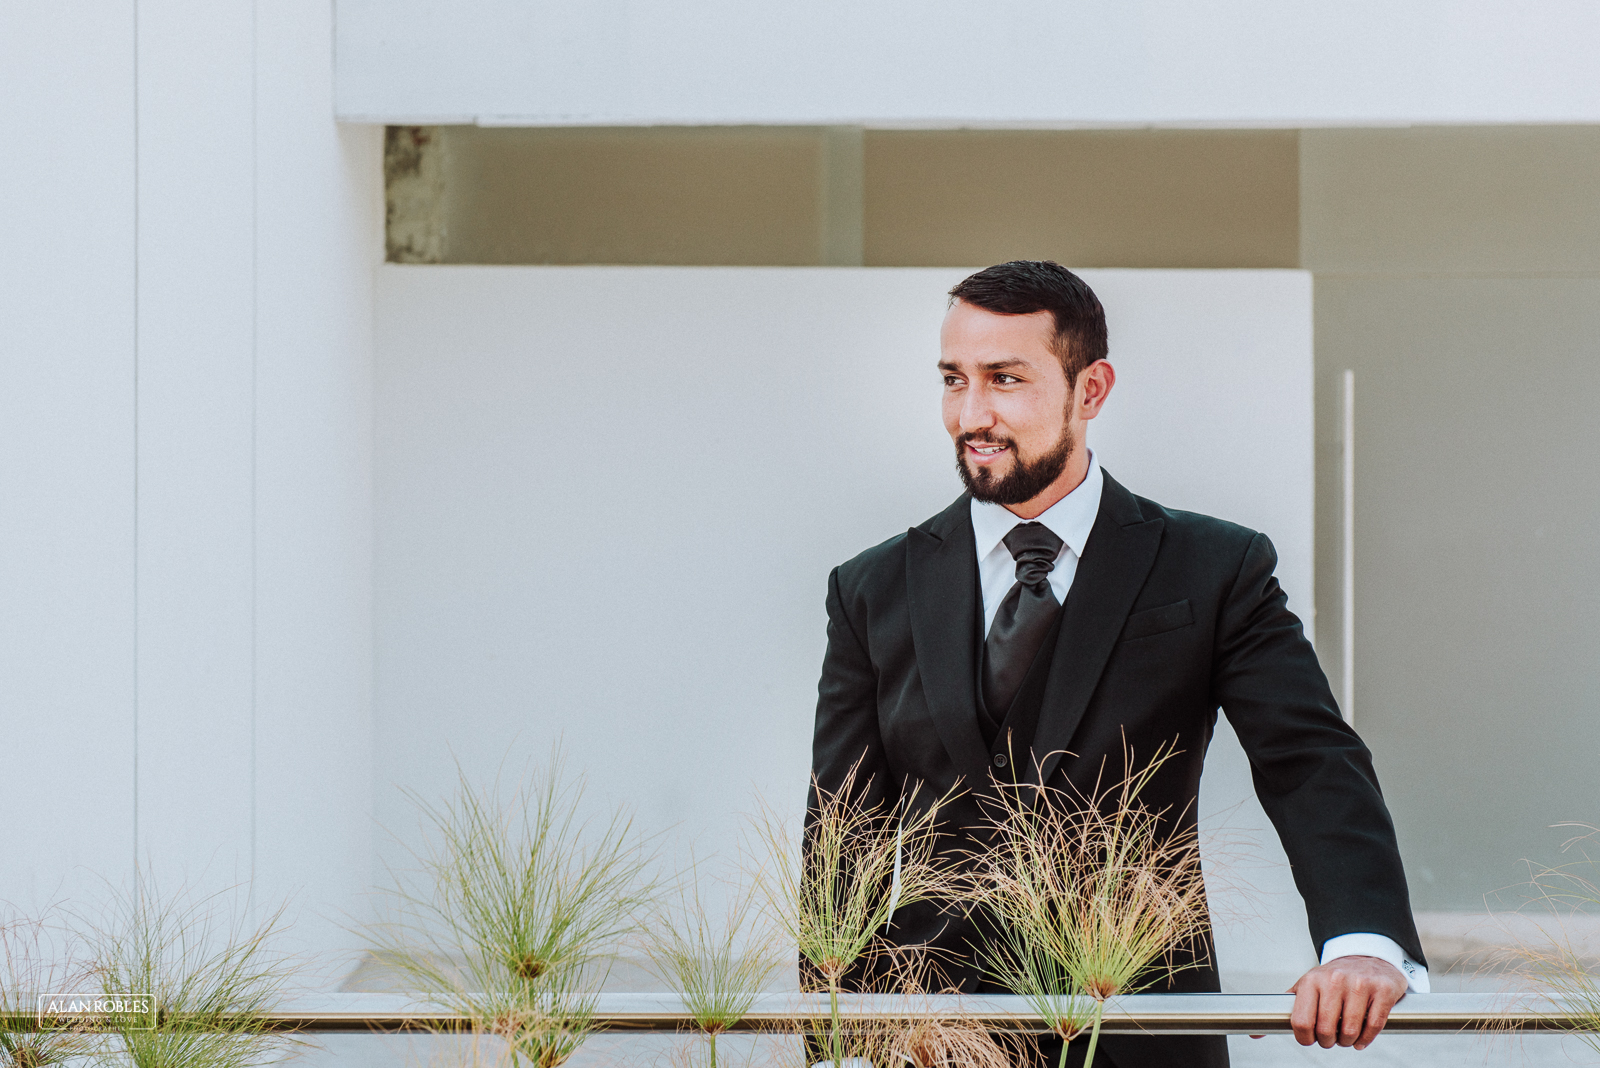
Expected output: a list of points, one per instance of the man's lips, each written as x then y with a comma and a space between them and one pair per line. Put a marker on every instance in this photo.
985, 452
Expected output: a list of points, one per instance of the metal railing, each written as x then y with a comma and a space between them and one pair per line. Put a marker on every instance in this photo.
1189, 1014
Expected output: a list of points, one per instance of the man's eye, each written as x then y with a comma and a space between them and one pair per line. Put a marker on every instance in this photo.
1005, 379
952, 380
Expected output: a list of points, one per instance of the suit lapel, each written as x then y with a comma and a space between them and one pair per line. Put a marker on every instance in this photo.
942, 595
1116, 560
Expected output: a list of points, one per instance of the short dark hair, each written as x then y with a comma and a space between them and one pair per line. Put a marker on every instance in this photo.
1022, 287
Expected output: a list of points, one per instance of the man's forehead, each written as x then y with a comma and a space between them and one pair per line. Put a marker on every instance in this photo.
977, 336
995, 351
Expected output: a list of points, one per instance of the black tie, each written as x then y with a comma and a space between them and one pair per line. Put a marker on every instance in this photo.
1024, 618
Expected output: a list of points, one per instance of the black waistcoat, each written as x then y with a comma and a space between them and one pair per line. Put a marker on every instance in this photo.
1012, 735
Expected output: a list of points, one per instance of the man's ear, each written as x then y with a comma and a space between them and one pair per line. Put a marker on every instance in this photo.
1093, 387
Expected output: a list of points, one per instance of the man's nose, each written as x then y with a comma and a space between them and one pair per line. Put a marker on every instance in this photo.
976, 411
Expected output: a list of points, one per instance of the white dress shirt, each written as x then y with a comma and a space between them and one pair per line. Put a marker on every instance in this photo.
1070, 519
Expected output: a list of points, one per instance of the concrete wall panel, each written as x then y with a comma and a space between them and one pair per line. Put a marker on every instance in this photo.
67, 283
319, 237
947, 63
196, 444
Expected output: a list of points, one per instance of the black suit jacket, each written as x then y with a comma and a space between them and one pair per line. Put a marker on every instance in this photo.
1171, 615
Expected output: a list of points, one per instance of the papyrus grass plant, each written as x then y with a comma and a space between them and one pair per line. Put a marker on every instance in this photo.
212, 973
910, 1029
1092, 894
1025, 968
718, 963
543, 1028
515, 908
856, 864
1554, 961
929, 1041
923, 1038
37, 958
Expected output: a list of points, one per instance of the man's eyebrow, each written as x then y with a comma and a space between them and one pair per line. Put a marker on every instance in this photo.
989, 365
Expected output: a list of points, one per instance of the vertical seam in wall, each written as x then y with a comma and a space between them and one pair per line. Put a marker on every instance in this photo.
136, 234
1299, 202
1347, 537
255, 319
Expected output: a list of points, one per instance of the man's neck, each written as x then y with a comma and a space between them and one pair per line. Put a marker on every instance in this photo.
1071, 478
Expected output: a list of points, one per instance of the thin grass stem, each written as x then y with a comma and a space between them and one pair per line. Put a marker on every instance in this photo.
837, 1034
1094, 1036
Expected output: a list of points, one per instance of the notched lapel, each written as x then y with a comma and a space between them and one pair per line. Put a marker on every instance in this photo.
1116, 561
942, 597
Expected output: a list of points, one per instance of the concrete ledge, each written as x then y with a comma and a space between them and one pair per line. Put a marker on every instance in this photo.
1494, 942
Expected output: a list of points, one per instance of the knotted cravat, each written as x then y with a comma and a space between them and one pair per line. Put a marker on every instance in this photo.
1024, 618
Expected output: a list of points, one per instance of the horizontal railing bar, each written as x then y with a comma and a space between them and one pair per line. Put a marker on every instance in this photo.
1191, 1014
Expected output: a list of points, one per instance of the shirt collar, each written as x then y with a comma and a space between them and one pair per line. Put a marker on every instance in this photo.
1070, 519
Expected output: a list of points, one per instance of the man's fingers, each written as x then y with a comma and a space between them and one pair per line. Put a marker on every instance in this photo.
1353, 1013
1303, 1017
1377, 1016
1330, 1005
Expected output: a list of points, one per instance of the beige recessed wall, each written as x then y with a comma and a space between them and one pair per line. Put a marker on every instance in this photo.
637, 196
797, 196
1458, 275
1451, 200
1477, 561
1107, 198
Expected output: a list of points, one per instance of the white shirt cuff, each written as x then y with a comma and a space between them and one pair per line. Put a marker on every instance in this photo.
1376, 945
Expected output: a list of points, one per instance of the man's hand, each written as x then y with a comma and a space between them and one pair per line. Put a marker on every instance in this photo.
1345, 1001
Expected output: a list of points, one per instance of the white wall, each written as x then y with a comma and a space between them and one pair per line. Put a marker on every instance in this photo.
185, 451
942, 62
66, 440
608, 499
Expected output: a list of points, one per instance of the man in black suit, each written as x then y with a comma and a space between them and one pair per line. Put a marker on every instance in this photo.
1049, 617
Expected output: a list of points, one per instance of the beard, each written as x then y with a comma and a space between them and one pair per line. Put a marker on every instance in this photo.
1027, 478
